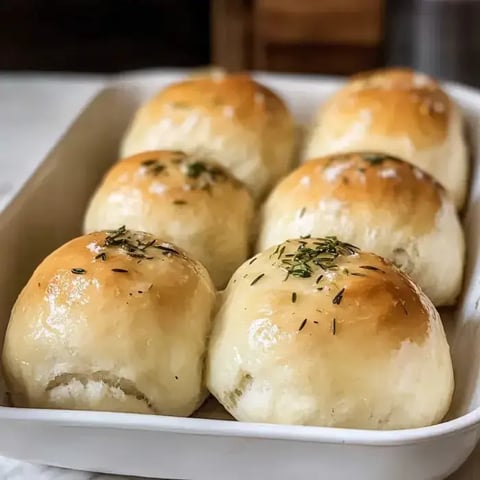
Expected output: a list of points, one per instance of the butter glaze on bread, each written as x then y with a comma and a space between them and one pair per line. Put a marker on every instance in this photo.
229, 118
316, 332
112, 321
399, 112
187, 200
380, 203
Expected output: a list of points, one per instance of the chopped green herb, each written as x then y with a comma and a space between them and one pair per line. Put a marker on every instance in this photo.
148, 163
123, 239
334, 326
252, 260
101, 256
204, 173
167, 250
153, 166
374, 158
78, 271
338, 297
302, 324
358, 274
371, 267
255, 280
319, 279
320, 253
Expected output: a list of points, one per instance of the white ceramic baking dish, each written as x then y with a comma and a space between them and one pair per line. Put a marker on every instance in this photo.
49, 210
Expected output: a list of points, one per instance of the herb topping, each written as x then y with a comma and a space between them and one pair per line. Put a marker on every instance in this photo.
78, 271
255, 280
201, 170
334, 326
371, 267
153, 166
320, 253
302, 324
134, 247
374, 158
337, 299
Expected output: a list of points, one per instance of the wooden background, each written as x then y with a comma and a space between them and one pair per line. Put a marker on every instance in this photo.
321, 36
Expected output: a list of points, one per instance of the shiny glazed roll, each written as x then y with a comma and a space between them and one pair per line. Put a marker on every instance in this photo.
229, 118
113, 321
399, 112
380, 203
316, 332
191, 202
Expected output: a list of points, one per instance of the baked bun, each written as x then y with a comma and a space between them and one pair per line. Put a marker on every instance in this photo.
316, 332
113, 321
228, 118
400, 112
380, 203
191, 202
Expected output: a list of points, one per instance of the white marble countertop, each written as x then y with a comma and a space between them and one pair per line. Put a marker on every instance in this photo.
36, 109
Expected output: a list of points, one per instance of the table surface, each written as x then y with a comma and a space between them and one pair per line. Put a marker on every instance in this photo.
36, 109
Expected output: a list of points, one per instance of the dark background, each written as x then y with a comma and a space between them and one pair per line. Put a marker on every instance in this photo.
103, 35
440, 37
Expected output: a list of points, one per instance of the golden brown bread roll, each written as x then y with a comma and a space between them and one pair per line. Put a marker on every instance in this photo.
316, 332
189, 201
381, 204
399, 112
228, 118
113, 321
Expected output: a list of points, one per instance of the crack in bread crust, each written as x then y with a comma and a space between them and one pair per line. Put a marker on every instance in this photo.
123, 384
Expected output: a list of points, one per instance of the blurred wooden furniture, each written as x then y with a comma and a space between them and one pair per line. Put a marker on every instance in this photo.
318, 36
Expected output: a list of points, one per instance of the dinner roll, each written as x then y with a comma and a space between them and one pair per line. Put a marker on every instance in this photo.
380, 203
229, 118
316, 332
400, 112
113, 321
189, 201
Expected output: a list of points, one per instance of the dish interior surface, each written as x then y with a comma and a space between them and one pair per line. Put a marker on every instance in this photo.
49, 210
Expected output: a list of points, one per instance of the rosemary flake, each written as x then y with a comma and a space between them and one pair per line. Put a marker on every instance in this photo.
302, 324
371, 267
78, 271
338, 297
255, 280
334, 326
